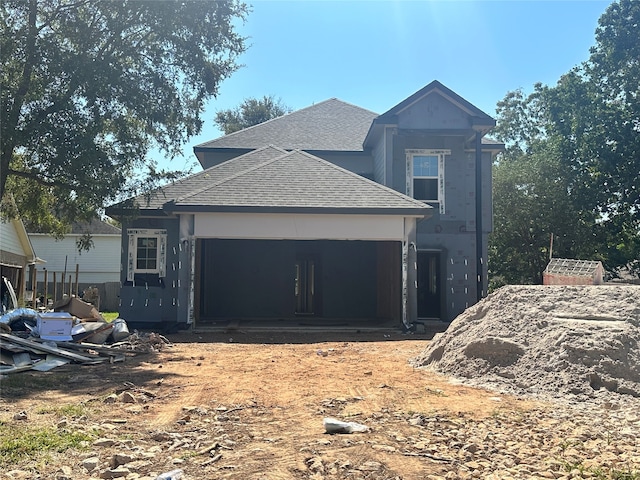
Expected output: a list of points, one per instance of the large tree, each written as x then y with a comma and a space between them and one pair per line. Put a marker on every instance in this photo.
251, 111
531, 199
578, 141
89, 87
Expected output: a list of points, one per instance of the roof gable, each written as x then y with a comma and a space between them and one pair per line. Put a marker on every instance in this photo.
435, 108
328, 125
14, 238
435, 88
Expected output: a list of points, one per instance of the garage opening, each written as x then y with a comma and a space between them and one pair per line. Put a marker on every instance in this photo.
300, 281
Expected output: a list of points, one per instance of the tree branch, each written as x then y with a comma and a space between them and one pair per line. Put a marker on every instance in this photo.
42, 181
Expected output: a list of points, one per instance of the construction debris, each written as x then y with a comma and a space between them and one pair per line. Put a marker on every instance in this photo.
331, 425
19, 354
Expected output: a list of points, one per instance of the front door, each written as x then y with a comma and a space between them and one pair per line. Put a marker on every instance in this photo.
305, 285
428, 284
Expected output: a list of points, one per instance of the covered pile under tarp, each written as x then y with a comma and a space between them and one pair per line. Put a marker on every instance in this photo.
554, 341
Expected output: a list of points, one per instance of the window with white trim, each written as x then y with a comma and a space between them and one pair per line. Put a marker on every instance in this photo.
147, 252
425, 175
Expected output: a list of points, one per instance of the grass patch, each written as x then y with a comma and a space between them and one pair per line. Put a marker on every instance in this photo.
596, 472
600, 473
69, 410
35, 382
18, 444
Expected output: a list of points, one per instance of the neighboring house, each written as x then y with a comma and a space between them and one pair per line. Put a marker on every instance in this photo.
96, 266
565, 271
328, 215
17, 254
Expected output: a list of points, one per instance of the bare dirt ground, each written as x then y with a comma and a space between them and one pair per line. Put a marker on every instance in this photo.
251, 406
259, 399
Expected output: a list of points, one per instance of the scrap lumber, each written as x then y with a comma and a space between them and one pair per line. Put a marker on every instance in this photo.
47, 348
103, 349
20, 354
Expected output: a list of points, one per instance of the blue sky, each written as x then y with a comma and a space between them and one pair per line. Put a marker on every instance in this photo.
374, 54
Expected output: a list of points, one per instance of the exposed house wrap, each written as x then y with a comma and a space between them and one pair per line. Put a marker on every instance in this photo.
328, 214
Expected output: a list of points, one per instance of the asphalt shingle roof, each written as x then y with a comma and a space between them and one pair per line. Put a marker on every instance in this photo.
328, 125
276, 180
197, 181
296, 180
95, 227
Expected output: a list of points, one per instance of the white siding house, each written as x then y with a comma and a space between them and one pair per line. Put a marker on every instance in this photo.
16, 254
100, 264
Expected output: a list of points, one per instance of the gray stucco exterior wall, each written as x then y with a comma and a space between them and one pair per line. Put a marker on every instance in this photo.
450, 234
150, 298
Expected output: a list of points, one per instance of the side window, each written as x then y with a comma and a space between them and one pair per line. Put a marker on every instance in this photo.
425, 175
147, 252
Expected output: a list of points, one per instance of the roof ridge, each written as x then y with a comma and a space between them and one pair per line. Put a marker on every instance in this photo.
265, 122
353, 105
237, 174
296, 113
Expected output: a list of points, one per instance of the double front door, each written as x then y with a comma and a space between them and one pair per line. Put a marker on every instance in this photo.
305, 285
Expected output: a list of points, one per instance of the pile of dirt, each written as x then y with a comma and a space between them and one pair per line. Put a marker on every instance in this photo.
572, 342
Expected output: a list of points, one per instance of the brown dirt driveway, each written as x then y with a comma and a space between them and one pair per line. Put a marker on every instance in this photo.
248, 406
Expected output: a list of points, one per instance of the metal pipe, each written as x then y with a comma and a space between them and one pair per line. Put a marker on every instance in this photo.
479, 226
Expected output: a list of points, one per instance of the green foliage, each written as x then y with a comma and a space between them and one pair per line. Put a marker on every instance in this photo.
572, 163
252, 111
18, 443
89, 88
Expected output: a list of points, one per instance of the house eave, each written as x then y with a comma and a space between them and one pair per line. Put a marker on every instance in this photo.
405, 212
119, 213
198, 148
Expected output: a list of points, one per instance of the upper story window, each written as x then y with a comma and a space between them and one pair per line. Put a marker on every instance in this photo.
425, 175
147, 252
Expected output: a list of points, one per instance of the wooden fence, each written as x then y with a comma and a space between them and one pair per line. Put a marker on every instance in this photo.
55, 285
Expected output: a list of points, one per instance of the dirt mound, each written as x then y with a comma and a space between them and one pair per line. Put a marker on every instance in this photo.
572, 342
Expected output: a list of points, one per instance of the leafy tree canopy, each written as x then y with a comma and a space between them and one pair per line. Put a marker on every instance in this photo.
251, 111
89, 87
572, 164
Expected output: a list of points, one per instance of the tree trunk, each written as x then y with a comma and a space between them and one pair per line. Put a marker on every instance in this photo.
10, 124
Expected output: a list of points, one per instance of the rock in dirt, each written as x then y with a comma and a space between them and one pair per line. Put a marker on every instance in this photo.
553, 341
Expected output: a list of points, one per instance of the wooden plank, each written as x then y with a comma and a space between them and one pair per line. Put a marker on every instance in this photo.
102, 349
46, 348
13, 347
24, 368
